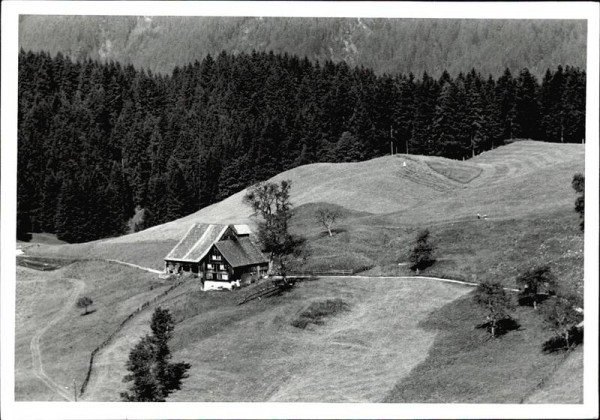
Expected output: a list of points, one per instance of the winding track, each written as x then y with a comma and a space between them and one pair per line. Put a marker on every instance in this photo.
36, 355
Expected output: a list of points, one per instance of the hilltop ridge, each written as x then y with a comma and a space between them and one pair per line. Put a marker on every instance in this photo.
159, 43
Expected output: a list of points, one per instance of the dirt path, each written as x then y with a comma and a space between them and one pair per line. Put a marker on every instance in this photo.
151, 270
465, 283
36, 355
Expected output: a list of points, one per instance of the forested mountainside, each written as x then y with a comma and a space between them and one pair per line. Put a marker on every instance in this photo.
97, 140
394, 46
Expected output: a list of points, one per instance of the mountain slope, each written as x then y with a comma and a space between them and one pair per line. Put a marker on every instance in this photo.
386, 45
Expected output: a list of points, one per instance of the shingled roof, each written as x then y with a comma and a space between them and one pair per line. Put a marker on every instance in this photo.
196, 243
241, 252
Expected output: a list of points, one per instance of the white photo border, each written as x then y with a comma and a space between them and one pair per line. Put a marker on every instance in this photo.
447, 10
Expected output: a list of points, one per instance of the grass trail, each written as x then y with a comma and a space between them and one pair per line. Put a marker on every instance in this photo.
36, 354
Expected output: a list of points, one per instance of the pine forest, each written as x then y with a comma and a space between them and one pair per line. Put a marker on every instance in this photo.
101, 142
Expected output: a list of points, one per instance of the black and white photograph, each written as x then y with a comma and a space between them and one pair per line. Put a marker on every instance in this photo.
378, 206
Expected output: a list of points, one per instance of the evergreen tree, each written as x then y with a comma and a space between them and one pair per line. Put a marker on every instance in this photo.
152, 374
506, 99
526, 105
92, 134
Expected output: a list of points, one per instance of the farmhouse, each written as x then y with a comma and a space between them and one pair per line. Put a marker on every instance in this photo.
222, 256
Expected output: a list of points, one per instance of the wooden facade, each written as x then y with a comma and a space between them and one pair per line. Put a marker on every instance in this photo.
220, 256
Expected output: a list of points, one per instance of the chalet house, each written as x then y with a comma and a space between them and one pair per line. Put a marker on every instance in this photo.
222, 256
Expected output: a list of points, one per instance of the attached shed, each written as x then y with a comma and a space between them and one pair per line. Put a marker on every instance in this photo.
221, 256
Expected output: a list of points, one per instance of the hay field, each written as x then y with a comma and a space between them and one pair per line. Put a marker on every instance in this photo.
66, 345
253, 353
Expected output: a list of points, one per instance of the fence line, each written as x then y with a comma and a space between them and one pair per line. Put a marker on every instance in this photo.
119, 328
330, 272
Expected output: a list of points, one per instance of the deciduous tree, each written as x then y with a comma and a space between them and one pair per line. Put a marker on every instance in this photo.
271, 202
535, 283
84, 302
496, 302
561, 315
327, 217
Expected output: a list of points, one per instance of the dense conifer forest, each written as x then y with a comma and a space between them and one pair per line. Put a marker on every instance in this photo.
99, 141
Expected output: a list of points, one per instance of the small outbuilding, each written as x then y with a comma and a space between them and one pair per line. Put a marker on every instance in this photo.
221, 256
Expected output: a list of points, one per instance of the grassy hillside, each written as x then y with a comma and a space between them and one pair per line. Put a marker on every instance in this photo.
524, 188
432, 45
253, 353
401, 340
465, 365
66, 345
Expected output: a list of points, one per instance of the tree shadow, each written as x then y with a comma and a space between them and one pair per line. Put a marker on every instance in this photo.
528, 300
502, 327
422, 265
558, 342
88, 312
337, 231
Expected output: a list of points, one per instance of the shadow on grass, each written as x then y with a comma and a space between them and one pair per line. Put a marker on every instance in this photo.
559, 344
502, 327
88, 312
528, 300
422, 265
465, 365
337, 231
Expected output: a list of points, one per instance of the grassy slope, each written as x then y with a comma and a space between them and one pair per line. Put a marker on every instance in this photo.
465, 365
519, 180
565, 386
524, 188
38, 299
354, 356
65, 347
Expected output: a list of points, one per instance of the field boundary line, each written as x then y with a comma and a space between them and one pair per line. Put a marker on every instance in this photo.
126, 321
36, 354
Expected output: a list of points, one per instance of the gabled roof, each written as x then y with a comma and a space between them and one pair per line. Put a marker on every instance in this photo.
196, 243
241, 252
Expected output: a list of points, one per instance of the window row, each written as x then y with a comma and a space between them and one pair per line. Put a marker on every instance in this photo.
210, 266
217, 276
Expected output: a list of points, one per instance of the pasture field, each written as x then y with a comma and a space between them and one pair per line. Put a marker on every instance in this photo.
66, 346
401, 340
253, 353
381, 199
39, 297
466, 365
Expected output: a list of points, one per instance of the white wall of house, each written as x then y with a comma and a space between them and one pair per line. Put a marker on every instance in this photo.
220, 285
